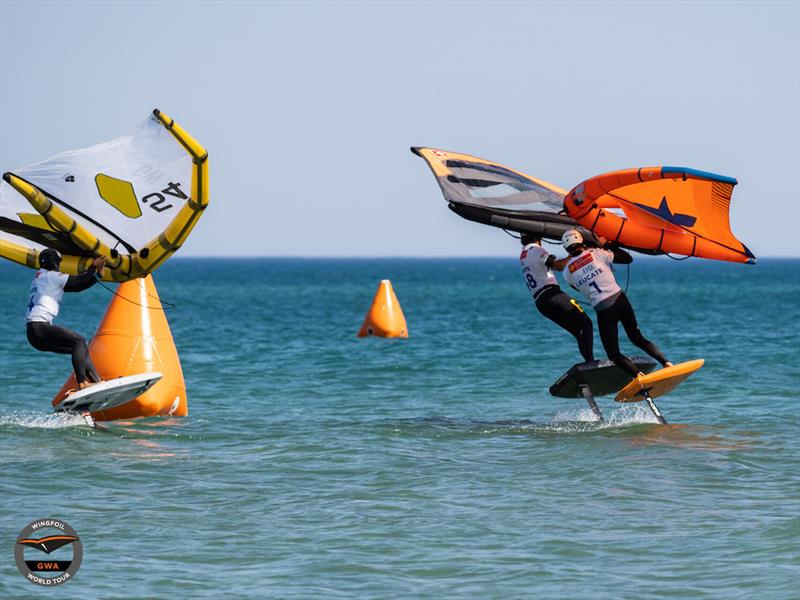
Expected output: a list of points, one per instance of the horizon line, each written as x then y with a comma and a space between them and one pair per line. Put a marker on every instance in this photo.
443, 256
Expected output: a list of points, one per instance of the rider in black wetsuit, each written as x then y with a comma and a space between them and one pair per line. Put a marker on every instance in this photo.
47, 289
589, 271
553, 303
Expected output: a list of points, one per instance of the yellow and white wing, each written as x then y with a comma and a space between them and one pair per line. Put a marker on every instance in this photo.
134, 200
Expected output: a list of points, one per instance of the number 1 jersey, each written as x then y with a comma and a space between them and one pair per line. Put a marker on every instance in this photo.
591, 274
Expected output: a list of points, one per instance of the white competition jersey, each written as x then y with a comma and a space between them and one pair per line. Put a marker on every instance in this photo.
47, 290
537, 275
590, 273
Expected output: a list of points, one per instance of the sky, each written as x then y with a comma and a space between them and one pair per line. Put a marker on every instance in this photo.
308, 109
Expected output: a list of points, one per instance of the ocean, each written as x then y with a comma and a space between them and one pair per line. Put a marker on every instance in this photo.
314, 464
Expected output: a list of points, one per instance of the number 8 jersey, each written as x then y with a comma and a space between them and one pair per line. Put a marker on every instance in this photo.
538, 276
590, 273
47, 290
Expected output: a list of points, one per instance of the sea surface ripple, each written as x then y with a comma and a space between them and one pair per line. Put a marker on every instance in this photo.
318, 465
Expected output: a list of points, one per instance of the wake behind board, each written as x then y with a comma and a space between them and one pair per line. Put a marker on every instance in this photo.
658, 383
108, 394
596, 378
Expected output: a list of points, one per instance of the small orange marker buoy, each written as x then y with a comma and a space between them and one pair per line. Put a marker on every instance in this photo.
134, 337
385, 317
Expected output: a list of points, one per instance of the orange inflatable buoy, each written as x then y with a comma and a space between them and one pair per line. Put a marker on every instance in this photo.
134, 337
385, 317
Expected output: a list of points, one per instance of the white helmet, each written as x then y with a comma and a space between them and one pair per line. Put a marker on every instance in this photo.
571, 237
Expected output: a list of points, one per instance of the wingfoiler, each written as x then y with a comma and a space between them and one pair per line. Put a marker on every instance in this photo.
652, 210
133, 200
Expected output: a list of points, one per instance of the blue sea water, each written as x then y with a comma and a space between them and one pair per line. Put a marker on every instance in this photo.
317, 465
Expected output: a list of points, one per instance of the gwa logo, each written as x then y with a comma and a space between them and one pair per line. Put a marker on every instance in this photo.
57, 535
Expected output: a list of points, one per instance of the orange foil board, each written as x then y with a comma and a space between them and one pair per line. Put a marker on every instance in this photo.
658, 382
385, 317
134, 337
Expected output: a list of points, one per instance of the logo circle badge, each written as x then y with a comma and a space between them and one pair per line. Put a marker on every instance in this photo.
46, 537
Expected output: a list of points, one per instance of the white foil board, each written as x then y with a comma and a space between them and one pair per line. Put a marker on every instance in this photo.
108, 394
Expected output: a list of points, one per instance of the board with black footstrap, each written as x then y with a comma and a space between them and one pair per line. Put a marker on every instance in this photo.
603, 377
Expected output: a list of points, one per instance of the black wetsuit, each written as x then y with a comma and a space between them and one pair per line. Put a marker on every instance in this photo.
557, 306
608, 318
52, 338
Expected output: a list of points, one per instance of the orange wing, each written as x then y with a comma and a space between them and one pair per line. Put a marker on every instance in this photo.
664, 210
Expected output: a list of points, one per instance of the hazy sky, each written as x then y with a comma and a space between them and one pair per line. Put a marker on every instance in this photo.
308, 109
